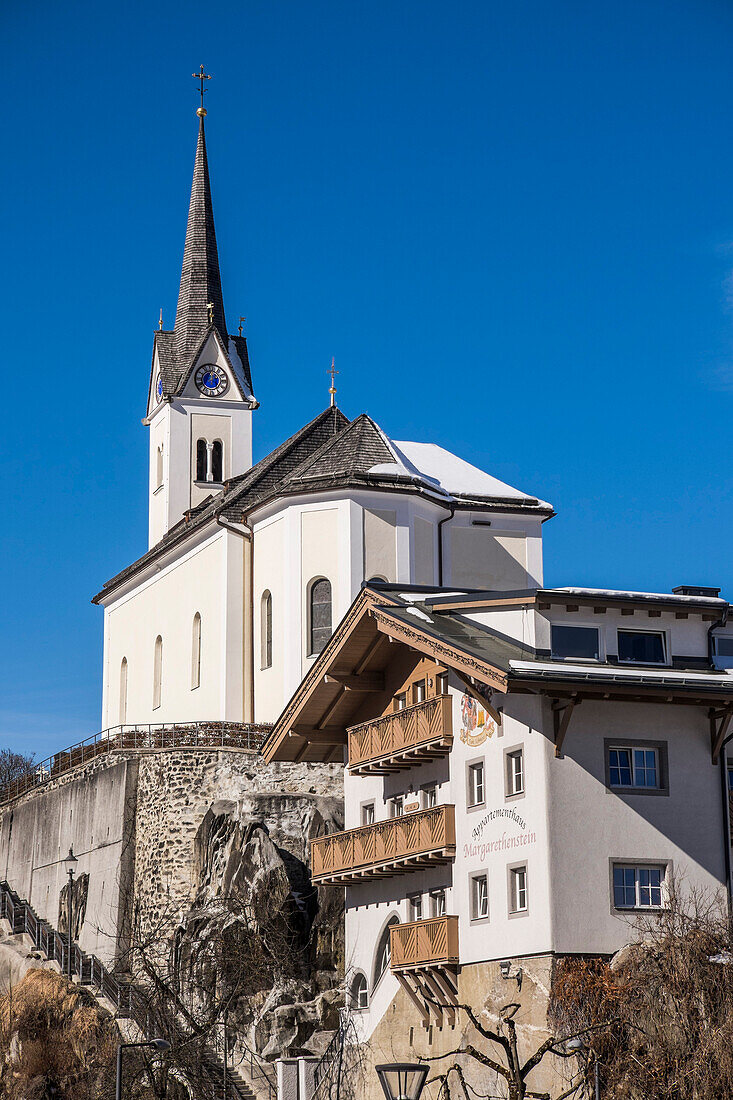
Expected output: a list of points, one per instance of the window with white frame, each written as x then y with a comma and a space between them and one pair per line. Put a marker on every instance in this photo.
319, 615
418, 691
634, 766
723, 646
196, 651
384, 950
157, 672
437, 903
580, 642
397, 806
518, 889
644, 647
359, 993
123, 691
479, 896
367, 813
266, 629
429, 796
637, 886
415, 907
476, 783
441, 683
400, 700
515, 772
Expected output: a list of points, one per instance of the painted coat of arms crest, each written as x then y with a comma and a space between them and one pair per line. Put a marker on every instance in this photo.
476, 725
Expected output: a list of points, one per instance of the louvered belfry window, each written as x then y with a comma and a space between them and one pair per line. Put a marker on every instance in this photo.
320, 615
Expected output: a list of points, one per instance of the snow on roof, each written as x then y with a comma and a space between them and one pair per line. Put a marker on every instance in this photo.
618, 594
613, 672
447, 473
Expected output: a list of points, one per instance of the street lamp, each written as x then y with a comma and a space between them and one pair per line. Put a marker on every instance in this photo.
578, 1044
152, 1044
402, 1080
69, 864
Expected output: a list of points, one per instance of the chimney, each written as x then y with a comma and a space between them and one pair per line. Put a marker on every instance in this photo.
696, 590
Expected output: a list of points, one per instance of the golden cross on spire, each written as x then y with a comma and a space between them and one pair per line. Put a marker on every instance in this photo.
210, 307
201, 76
333, 372
241, 324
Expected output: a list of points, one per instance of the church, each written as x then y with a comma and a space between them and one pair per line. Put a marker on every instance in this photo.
250, 567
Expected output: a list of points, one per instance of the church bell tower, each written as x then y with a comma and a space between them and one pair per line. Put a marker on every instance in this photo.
200, 398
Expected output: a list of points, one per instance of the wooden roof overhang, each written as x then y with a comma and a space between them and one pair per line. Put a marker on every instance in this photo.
566, 693
543, 599
359, 661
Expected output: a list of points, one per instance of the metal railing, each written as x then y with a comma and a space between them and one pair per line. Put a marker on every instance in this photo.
424, 943
140, 737
424, 724
422, 833
128, 1001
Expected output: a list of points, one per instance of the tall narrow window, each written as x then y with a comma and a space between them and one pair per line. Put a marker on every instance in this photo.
217, 461
196, 651
159, 467
123, 691
201, 460
157, 672
266, 630
320, 615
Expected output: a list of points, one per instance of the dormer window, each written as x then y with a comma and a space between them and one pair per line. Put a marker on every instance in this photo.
643, 647
580, 642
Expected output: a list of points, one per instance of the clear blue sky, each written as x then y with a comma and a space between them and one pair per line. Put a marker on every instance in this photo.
511, 223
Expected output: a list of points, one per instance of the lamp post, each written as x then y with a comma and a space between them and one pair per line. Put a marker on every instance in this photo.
152, 1044
578, 1044
69, 864
402, 1080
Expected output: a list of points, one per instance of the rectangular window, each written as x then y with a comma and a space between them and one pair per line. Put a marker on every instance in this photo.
637, 887
476, 784
418, 691
429, 796
397, 807
400, 701
437, 903
367, 813
441, 683
515, 772
416, 907
639, 767
479, 896
643, 647
723, 646
575, 641
518, 889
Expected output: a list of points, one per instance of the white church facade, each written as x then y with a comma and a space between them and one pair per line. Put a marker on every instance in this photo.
249, 568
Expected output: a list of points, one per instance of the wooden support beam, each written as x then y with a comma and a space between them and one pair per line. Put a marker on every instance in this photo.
719, 730
373, 681
561, 718
331, 735
419, 1005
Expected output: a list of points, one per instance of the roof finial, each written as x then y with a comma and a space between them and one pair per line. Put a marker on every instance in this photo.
210, 307
333, 372
160, 320
201, 76
241, 324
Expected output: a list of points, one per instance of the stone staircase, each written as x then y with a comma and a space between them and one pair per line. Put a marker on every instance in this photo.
122, 998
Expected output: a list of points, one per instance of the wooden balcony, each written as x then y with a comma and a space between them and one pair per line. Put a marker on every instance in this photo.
386, 848
424, 959
399, 740
432, 942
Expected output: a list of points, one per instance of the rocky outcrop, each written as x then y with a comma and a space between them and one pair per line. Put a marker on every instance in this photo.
259, 923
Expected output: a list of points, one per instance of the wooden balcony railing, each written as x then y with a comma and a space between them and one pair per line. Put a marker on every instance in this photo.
402, 739
432, 942
385, 848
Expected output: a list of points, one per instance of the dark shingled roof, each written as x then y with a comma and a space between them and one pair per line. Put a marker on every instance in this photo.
243, 491
200, 276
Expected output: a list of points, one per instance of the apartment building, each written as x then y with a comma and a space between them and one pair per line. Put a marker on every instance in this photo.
525, 773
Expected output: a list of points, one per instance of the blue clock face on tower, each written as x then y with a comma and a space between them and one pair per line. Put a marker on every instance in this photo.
159, 388
211, 380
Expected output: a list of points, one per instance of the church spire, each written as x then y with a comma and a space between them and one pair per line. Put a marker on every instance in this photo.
199, 297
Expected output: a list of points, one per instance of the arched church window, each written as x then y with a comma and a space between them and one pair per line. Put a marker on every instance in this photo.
201, 460
359, 993
157, 672
384, 950
319, 615
217, 460
196, 652
159, 467
266, 630
123, 691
